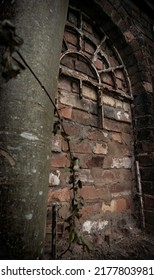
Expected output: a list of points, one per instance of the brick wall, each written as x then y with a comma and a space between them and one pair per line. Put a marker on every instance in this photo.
105, 96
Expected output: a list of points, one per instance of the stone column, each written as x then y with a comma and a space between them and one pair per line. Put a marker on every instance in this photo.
26, 117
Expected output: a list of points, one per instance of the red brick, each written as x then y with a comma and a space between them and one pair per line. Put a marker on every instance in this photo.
116, 205
120, 187
84, 118
108, 100
73, 100
117, 149
66, 112
111, 125
89, 92
68, 61
127, 139
65, 84
89, 48
84, 68
97, 135
90, 193
83, 160
99, 64
107, 79
117, 137
82, 148
121, 205
72, 129
59, 195
91, 210
59, 160
95, 161
108, 177
71, 38
103, 177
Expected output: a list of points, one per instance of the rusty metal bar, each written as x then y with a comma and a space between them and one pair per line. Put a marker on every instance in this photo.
54, 232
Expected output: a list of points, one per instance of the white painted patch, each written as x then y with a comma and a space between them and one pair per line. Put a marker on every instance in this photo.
121, 194
105, 134
127, 116
54, 180
124, 162
40, 192
119, 115
29, 136
90, 226
29, 216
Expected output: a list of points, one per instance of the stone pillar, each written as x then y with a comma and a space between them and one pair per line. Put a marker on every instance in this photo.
26, 117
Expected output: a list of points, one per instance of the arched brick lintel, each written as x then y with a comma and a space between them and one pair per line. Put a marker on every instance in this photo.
124, 34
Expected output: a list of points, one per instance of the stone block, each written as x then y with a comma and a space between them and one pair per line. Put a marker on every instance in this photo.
66, 112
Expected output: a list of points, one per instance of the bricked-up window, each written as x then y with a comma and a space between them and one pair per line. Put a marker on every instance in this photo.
89, 58
94, 97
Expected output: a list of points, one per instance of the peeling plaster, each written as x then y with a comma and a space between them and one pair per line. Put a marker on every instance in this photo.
91, 226
119, 115
124, 162
54, 179
29, 136
127, 116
